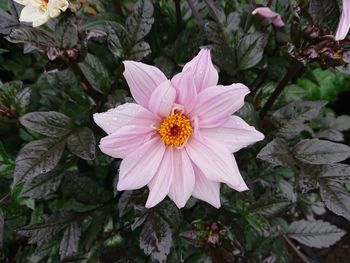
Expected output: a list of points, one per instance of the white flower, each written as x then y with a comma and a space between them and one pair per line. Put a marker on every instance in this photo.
40, 11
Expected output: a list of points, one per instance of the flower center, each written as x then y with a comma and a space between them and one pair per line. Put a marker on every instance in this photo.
175, 129
44, 4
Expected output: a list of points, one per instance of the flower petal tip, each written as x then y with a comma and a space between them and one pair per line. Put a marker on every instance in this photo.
268, 14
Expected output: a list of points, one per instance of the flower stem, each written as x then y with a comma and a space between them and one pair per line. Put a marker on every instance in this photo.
5, 197
295, 249
292, 71
117, 7
196, 15
178, 16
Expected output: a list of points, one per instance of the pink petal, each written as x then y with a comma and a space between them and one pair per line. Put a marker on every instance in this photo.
203, 70
205, 190
241, 186
142, 80
270, 15
139, 167
214, 160
162, 99
160, 183
128, 113
235, 134
216, 104
184, 179
344, 22
185, 89
126, 140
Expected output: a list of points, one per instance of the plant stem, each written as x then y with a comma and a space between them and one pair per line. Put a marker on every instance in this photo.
178, 15
295, 249
5, 197
117, 7
269, 3
292, 71
196, 15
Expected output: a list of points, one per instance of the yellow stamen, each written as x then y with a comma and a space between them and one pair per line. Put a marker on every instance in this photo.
44, 4
175, 129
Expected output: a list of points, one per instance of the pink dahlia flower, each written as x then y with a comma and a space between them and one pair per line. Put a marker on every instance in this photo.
344, 22
270, 15
179, 136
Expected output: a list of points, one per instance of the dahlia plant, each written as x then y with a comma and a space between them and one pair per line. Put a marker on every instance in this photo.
174, 131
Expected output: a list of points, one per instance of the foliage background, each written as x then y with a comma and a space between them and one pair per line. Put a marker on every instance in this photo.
58, 197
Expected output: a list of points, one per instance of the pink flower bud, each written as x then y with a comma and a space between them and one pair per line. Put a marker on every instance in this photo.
270, 15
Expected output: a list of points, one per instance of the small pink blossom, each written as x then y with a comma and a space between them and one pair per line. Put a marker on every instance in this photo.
270, 15
344, 22
179, 136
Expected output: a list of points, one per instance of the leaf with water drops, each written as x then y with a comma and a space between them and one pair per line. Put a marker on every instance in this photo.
82, 143
316, 233
42, 185
315, 151
49, 123
70, 241
156, 238
37, 157
276, 152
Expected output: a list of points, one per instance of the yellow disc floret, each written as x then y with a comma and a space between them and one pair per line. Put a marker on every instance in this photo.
175, 129
44, 4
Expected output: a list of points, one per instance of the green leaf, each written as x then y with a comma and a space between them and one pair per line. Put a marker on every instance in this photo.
324, 12
270, 207
7, 164
286, 189
232, 22
14, 9
70, 241
7, 22
96, 73
14, 97
37, 157
49, 123
139, 51
216, 11
95, 228
35, 36
124, 202
276, 152
22, 99
156, 238
279, 252
333, 127
66, 33
330, 134
3, 4
42, 185
219, 33
84, 189
315, 151
82, 143
336, 198
75, 100
317, 233
250, 50
117, 38
293, 117
2, 222
341, 123
139, 23
336, 172
41, 233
